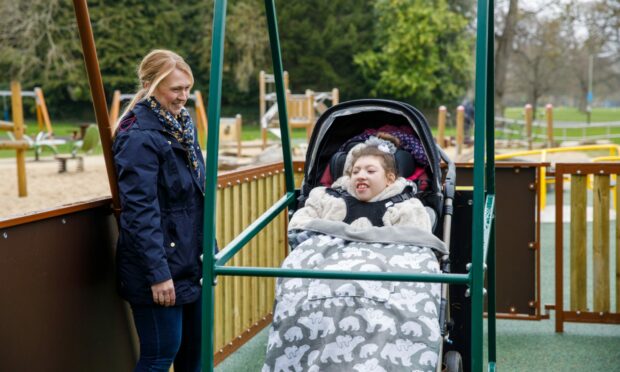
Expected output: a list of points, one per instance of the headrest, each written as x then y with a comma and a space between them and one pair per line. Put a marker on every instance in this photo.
405, 164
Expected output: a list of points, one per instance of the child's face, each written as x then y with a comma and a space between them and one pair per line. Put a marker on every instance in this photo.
369, 178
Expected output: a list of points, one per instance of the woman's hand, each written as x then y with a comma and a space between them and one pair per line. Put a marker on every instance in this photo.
163, 293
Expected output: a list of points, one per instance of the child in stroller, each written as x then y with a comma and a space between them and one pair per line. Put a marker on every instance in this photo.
368, 220
369, 193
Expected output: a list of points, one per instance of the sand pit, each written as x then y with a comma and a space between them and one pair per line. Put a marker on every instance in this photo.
49, 189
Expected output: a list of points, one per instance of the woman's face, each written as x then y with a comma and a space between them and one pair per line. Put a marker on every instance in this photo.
368, 177
173, 92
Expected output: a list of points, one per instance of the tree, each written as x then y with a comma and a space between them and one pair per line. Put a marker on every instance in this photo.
539, 56
503, 51
421, 52
40, 44
319, 41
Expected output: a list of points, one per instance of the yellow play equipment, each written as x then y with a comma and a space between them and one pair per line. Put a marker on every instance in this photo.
230, 128
302, 109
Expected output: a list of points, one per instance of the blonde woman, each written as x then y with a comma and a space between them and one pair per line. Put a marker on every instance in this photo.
161, 176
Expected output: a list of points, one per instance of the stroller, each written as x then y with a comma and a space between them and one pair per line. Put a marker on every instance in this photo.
335, 133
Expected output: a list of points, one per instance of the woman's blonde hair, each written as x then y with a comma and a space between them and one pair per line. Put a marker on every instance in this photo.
153, 69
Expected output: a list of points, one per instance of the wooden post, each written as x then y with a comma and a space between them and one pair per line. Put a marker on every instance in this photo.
245, 256
40, 123
262, 86
262, 250
40, 99
310, 110
254, 284
227, 281
269, 234
549, 116
236, 261
617, 245
262, 105
578, 229
201, 119
18, 131
528, 125
238, 130
600, 243
335, 96
460, 129
115, 109
441, 126
219, 341
286, 81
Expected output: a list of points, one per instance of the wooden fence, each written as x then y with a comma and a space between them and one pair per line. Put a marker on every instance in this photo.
600, 311
244, 304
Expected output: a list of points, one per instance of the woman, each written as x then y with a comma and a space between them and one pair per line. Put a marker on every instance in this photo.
161, 174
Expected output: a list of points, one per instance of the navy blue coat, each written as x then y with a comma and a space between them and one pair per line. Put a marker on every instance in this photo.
161, 217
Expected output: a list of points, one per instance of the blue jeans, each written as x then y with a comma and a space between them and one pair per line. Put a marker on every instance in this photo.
167, 335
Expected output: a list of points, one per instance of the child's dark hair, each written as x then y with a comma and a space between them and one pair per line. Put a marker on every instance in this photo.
387, 158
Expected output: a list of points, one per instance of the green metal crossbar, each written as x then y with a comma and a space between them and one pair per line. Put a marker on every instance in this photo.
332, 274
246, 235
483, 234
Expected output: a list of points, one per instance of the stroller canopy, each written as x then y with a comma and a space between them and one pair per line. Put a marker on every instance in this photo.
349, 119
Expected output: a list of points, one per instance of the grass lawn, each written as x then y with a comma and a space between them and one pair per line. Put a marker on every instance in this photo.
569, 114
65, 130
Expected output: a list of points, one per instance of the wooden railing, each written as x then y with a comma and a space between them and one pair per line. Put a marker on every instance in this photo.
244, 304
600, 310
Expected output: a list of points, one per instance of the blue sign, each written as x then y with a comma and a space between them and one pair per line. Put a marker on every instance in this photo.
589, 97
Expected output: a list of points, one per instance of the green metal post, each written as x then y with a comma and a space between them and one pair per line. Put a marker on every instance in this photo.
215, 97
276, 56
477, 272
490, 176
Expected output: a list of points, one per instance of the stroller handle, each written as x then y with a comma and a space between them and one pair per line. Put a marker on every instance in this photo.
450, 175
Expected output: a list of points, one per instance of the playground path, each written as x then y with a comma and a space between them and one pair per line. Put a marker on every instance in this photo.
49, 189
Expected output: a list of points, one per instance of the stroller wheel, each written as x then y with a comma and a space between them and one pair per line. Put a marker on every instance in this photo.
453, 361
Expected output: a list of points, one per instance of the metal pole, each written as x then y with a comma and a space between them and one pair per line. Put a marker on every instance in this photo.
215, 97
482, 76
98, 94
490, 178
274, 40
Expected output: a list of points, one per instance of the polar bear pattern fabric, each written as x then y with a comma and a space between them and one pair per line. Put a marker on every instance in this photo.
355, 325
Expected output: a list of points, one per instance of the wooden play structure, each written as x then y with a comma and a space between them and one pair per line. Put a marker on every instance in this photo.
19, 144
43, 117
230, 128
600, 311
302, 109
45, 135
460, 128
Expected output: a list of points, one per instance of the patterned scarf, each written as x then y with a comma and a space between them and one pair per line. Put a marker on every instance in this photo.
180, 127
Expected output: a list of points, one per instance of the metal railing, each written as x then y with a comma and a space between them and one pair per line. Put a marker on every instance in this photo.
484, 190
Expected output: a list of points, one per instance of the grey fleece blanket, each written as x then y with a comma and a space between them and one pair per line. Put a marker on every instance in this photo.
357, 325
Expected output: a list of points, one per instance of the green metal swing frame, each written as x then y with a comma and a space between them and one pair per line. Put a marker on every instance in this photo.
483, 234
483, 215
